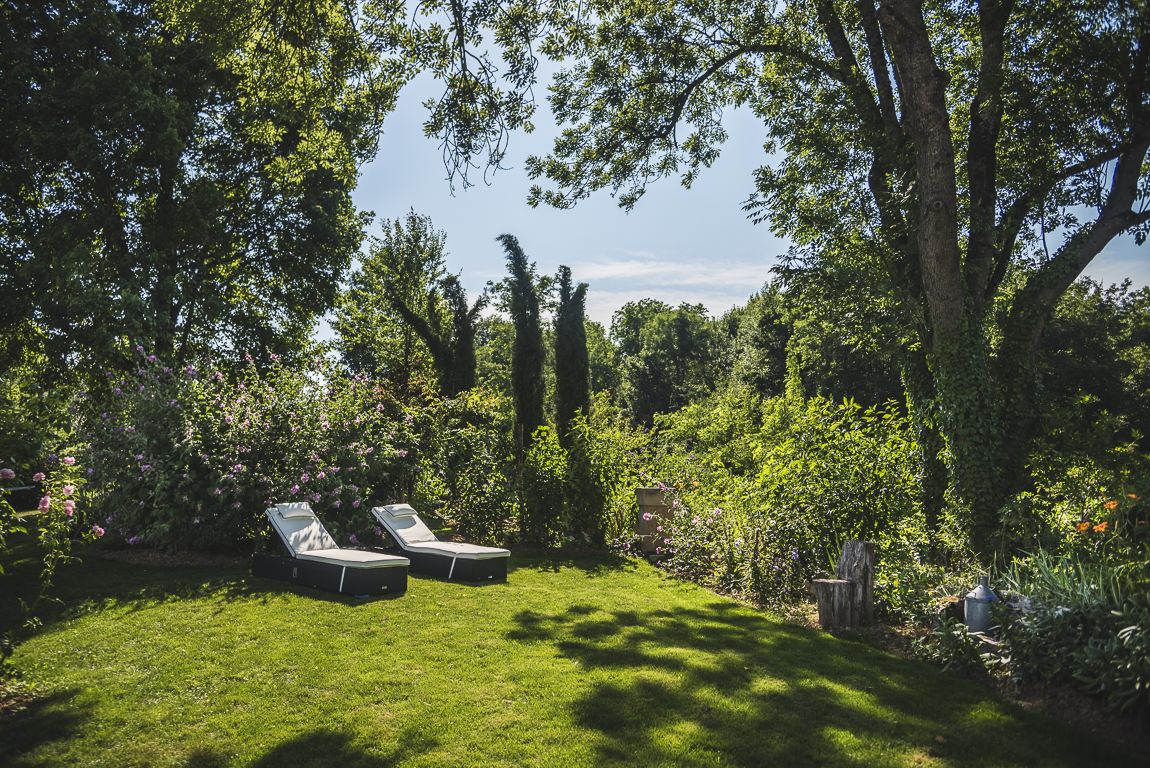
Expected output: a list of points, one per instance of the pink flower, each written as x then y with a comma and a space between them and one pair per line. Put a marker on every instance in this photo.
317, 497
355, 503
151, 358
69, 507
97, 530
335, 503
353, 539
321, 475
69, 490
69, 460
140, 350
45, 503
38, 477
229, 418
304, 478
294, 489
7, 474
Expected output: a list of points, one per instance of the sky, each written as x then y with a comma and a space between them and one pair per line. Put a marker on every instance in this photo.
677, 245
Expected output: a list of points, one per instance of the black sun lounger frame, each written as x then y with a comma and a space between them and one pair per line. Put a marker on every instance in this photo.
317, 562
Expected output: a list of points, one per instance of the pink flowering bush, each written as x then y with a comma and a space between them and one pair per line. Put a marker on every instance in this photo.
185, 458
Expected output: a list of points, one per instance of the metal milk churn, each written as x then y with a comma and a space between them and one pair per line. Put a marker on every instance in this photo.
978, 602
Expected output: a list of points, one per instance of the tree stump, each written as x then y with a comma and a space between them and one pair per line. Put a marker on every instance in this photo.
836, 598
848, 599
856, 563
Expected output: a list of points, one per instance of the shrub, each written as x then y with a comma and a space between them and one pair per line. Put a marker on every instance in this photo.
1091, 624
834, 472
183, 459
543, 511
951, 647
473, 454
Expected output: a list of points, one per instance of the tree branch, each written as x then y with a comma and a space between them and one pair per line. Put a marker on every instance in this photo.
982, 149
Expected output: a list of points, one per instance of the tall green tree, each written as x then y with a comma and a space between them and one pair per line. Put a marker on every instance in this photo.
572, 361
529, 352
137, 205
464, 331
603, 359
927, 146
675, 360
390, 319
403, 317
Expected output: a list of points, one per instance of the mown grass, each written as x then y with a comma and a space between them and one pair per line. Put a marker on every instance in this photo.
575, 661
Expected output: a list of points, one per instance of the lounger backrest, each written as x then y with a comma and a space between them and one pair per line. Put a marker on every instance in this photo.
299, 528
404, 524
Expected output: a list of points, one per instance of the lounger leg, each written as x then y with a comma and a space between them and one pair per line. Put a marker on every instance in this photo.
341, 575
452, 569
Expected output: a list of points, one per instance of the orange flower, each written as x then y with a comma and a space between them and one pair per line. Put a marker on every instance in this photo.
1082, 527
1100, 527
1110, 504
1133, 496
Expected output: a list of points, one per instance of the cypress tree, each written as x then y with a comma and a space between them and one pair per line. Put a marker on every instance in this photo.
572, 363
528, 353
463, 322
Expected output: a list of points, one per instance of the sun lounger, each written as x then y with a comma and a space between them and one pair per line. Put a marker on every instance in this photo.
445, 559
316, 560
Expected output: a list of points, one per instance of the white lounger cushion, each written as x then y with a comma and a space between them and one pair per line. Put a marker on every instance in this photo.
300, 532
405, 526
354, 558
459, 550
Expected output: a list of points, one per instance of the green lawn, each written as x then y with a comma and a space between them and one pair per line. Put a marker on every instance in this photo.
575, 661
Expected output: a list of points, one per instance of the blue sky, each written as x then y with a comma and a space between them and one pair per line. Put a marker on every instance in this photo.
677, 244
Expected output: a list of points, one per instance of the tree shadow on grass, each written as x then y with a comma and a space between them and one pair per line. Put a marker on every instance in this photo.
48, 719
100, 584
323, 748
723, 685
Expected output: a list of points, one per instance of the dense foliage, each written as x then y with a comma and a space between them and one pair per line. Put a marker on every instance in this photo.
143, 195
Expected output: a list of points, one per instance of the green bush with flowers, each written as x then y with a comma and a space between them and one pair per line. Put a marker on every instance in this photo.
184, 458
822, 474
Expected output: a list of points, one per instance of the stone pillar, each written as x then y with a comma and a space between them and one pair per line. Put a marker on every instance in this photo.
652, 502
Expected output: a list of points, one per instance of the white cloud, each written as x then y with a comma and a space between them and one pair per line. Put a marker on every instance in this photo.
674, 273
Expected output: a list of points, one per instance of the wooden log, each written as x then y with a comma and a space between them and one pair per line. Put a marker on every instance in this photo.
857, 564
836, 602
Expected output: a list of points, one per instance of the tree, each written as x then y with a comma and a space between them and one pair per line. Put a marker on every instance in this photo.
674, 362
401, 311
464, 329
139, 205
628, 321
529, 353
572, 361
603, 359
927, 148
1098, 344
